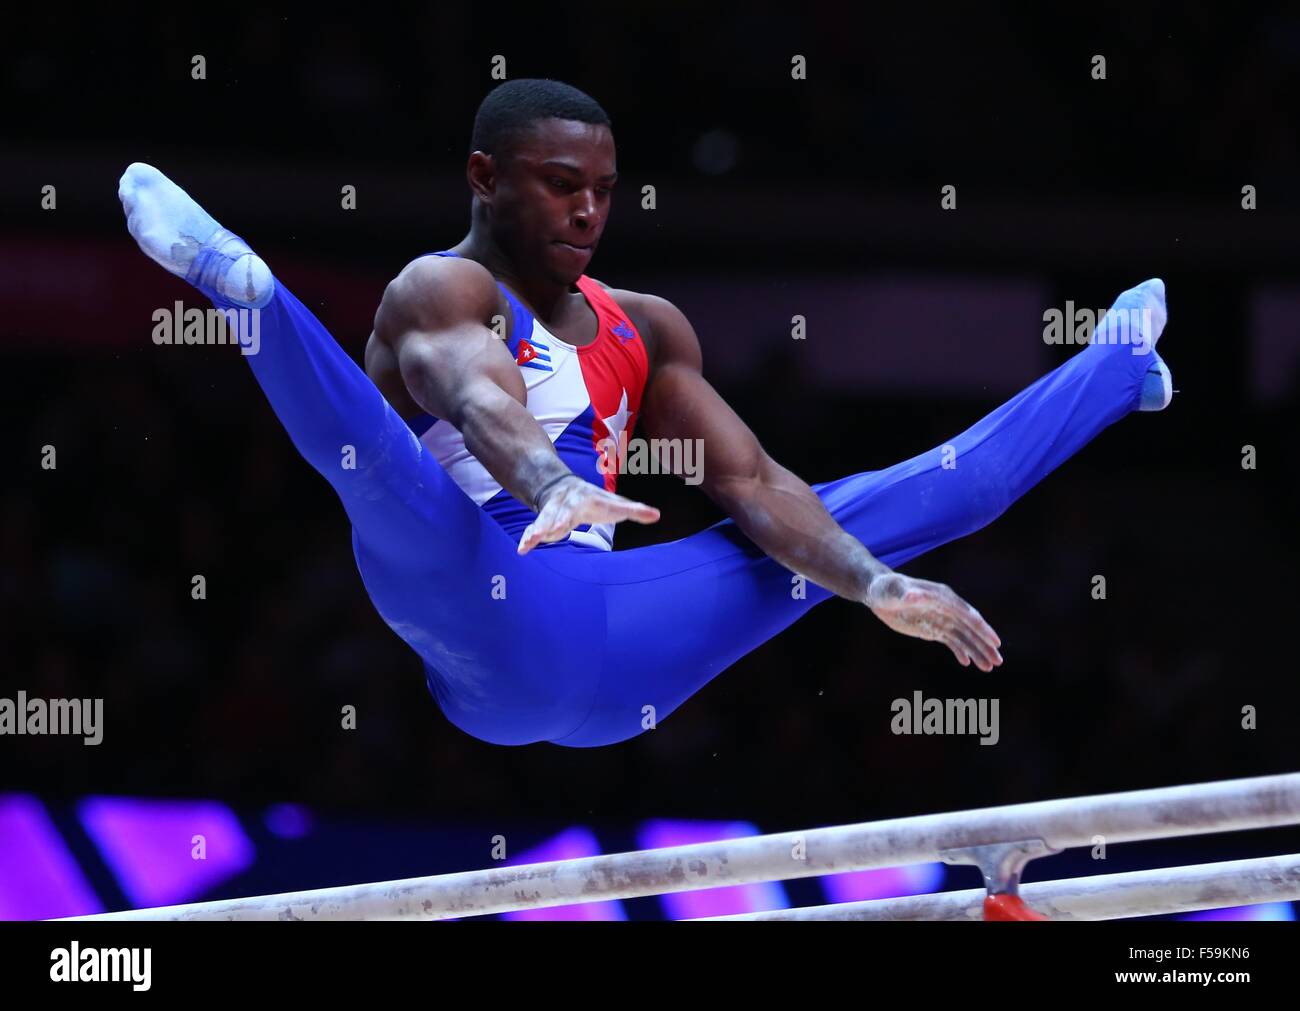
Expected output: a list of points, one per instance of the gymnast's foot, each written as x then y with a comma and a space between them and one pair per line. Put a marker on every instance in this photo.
186, 240
1157, 386
1140, 312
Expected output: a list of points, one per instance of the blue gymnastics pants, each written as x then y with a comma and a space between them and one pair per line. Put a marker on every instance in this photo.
583, 647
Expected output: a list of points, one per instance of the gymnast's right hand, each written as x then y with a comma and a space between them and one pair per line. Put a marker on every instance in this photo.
927, 610
573, 502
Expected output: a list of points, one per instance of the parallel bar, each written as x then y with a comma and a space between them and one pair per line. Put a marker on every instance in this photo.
1104, 897
1227, 806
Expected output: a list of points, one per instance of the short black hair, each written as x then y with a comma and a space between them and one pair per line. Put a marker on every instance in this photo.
510, 108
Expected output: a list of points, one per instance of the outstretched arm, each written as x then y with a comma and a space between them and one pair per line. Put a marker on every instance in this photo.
780, 513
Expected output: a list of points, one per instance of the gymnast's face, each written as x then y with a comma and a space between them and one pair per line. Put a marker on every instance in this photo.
551, 197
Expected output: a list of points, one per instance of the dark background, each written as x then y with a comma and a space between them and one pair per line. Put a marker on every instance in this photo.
170, 462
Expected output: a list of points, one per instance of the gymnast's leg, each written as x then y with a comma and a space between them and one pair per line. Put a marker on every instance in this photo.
681, 613
954, 489
442, 574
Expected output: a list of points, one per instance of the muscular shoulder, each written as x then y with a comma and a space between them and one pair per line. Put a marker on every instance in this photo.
666, 330
436, 292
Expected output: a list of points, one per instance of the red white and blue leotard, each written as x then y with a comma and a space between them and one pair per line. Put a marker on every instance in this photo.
585, 398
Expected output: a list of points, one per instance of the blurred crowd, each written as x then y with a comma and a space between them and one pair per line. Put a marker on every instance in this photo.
889, 98
171, 467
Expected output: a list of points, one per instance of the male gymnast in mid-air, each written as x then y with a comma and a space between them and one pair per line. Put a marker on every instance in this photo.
474, 463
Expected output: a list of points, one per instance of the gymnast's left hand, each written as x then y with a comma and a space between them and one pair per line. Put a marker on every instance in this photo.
573, 503
931, 611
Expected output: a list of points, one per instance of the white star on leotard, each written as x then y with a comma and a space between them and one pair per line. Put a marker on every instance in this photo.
616, 422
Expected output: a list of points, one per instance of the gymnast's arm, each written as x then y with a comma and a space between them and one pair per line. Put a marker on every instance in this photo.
434, 318
779, 512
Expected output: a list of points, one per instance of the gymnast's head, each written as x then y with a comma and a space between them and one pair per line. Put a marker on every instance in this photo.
542, 171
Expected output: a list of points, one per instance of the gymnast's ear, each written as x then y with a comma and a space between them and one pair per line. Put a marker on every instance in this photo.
481, 173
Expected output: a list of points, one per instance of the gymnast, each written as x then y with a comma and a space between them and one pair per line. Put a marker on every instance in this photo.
471, 453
